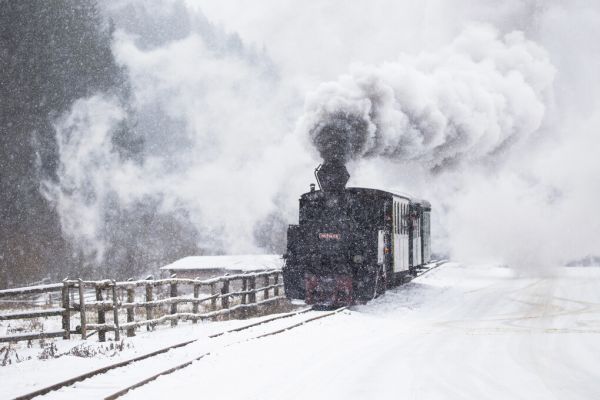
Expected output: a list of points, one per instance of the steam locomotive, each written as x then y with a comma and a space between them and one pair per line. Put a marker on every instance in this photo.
351, 244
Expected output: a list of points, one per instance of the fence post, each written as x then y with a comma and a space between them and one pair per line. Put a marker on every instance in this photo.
195, 305
66, 317
276, 290
101, 313
213, 301
149, 298
252, 298
244, 289
225, 293
115, 310
266, 283
173, 305
82, 310
130, 310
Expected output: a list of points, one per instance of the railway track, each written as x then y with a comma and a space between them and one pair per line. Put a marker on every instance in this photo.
100, 383
426, 268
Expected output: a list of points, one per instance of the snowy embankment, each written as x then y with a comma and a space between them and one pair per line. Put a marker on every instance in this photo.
457, 332
476, 332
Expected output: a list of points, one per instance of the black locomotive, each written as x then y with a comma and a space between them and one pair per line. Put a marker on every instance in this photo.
351, 244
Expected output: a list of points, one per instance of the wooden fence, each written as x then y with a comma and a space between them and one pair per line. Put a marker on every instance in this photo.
25, 295
109, 306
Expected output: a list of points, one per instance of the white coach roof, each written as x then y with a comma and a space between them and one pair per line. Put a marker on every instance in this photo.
250, 262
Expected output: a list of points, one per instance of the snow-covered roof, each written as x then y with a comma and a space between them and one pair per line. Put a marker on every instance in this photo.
249, 262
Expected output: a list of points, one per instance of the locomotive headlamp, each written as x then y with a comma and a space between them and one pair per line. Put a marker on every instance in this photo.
358, 259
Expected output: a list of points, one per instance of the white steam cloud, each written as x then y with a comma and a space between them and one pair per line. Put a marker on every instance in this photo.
88, 171
464, 102
499, 101
215, 142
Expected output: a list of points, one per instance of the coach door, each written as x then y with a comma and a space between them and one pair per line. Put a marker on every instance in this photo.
417, 245
400, 236
414, 227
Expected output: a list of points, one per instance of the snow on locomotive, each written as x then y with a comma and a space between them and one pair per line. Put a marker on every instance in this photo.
351, 244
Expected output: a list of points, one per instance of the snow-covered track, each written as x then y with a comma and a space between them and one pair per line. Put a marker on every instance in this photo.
147, 380
100, 371
89, 377
428, 267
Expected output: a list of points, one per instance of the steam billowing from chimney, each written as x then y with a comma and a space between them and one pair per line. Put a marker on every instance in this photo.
341, 136
465, 102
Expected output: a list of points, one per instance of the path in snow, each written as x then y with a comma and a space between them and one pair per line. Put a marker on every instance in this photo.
458, 332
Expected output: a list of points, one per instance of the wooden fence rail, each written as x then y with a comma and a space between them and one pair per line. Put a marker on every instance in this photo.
17, 295
156, 302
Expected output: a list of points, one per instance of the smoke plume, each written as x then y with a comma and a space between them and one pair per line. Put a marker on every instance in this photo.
464, 103
185, 165
499, 101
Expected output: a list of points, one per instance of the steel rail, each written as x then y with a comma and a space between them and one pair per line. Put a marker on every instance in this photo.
169, 371
437, 264
79, 378
102, 370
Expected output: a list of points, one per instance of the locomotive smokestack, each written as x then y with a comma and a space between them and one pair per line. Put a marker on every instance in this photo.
338, 138
332, 176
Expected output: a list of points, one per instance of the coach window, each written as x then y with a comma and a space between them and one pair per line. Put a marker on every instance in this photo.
402, 219
416, 231
394, 217
399, 219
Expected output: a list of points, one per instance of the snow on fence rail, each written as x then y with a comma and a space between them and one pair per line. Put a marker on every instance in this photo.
109, 306
17, 296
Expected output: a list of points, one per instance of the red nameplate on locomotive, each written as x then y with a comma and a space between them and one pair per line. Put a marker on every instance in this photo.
330, 236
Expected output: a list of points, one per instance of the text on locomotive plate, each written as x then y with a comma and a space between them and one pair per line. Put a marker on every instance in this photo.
330, 236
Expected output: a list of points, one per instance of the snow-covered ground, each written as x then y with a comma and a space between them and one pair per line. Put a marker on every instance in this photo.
457, 332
